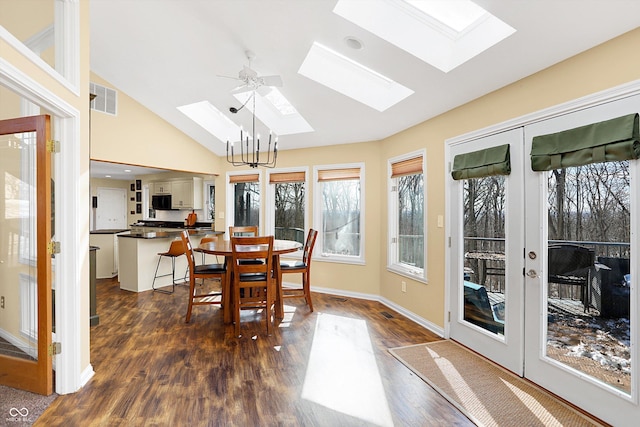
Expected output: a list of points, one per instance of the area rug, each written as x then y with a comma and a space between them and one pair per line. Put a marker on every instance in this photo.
487, 394
21, 408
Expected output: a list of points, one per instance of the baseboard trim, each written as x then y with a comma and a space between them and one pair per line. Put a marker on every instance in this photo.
403, 311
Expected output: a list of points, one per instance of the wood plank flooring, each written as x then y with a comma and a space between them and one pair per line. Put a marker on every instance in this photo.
326, 368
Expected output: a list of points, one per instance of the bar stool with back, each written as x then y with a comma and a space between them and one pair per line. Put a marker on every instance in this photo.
176, 249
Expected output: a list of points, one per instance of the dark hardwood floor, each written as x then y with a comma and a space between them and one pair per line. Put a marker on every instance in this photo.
326, 368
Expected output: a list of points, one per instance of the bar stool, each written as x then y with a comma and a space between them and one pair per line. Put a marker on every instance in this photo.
175, 250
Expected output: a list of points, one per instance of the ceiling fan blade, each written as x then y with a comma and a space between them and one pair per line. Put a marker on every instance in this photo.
271, 81
240, 89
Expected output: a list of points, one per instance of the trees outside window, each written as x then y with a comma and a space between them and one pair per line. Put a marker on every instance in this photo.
406, 252
339, 214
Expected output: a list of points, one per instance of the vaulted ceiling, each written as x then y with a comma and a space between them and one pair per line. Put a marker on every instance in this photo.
170, 53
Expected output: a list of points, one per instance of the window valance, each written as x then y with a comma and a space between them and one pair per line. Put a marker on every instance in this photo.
481, 163
410, 166
282, 177
338, 174
233, 179
608, 141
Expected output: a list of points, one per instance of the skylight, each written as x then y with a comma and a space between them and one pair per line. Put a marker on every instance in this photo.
456, 14
443, 33
352, 79
212, 120
276, 112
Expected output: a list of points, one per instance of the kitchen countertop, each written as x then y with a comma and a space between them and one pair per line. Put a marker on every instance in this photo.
166, 234
172, 224
109, 231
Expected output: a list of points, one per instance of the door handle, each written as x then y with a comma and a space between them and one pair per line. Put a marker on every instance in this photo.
532, 273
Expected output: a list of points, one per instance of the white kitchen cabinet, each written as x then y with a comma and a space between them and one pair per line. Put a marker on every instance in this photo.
186, 194
162, 187
107, 255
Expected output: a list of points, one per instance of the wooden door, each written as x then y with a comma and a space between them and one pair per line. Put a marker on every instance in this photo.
25, 263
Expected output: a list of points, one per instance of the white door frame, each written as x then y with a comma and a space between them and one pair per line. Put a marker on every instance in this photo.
624, 408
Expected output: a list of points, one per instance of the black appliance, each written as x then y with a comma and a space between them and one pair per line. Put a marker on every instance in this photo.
161, 202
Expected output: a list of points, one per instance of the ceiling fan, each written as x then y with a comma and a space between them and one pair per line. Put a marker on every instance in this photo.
251, 81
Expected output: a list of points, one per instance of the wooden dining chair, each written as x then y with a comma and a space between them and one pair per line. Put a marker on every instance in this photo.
303, 267
254, 279
243, 231
206, 271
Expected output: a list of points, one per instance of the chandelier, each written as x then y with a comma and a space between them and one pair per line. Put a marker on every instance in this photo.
250, 154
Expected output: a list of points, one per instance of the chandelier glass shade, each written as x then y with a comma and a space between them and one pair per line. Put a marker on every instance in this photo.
249, 153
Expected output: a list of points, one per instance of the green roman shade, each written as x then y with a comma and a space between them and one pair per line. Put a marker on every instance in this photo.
481, 163
608, 141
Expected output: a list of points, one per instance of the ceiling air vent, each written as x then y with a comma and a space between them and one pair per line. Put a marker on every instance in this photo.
106, 99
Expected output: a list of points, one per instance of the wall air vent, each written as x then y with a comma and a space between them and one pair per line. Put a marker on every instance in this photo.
106, 99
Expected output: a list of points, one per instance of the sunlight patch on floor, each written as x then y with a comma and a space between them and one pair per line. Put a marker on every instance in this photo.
289, 312
342, 373
458, 384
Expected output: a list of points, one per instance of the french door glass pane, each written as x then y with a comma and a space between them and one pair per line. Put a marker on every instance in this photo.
484, 205
246, 203
18, 287
588, 290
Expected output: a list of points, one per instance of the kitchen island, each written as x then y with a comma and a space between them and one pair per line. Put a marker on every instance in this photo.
138, 258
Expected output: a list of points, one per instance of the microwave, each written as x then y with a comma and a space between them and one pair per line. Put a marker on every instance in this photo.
161, 202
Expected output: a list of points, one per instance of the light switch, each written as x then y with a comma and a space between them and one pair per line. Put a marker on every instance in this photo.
440, 221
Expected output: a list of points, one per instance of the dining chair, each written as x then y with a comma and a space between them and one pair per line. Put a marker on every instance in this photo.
298, 267
176, 249
255, 280
245, 231
206, 271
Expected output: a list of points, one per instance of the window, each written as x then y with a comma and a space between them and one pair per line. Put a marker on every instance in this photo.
406, 253
287, 205
338, 212
245, 206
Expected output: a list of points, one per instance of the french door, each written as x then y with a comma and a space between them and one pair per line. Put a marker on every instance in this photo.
487, 294
25, 264
566, 277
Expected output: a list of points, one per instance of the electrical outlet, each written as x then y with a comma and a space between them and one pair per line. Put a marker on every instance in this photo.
404, 286
1, 302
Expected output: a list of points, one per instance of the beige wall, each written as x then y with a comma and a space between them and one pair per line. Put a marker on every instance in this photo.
602, 67
605, 66
137, 136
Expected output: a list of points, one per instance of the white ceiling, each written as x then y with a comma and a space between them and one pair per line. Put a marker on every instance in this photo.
168, 53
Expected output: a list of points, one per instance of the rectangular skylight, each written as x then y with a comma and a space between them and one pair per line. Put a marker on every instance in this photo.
212, 120
352, 79
456, 14
276, 112
427, 29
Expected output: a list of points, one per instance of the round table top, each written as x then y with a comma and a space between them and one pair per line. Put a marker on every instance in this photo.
223, 247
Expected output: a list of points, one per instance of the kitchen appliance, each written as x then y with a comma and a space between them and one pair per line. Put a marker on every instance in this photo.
161, 202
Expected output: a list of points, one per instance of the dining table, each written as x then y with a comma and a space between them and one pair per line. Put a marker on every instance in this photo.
223, 248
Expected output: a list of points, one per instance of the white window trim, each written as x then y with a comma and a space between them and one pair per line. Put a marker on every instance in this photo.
230, 205
393, 265
66, 29
317, 216
270, 202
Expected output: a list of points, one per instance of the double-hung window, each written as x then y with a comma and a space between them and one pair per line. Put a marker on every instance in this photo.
406, 252
286, 214
339, 212
244, 206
